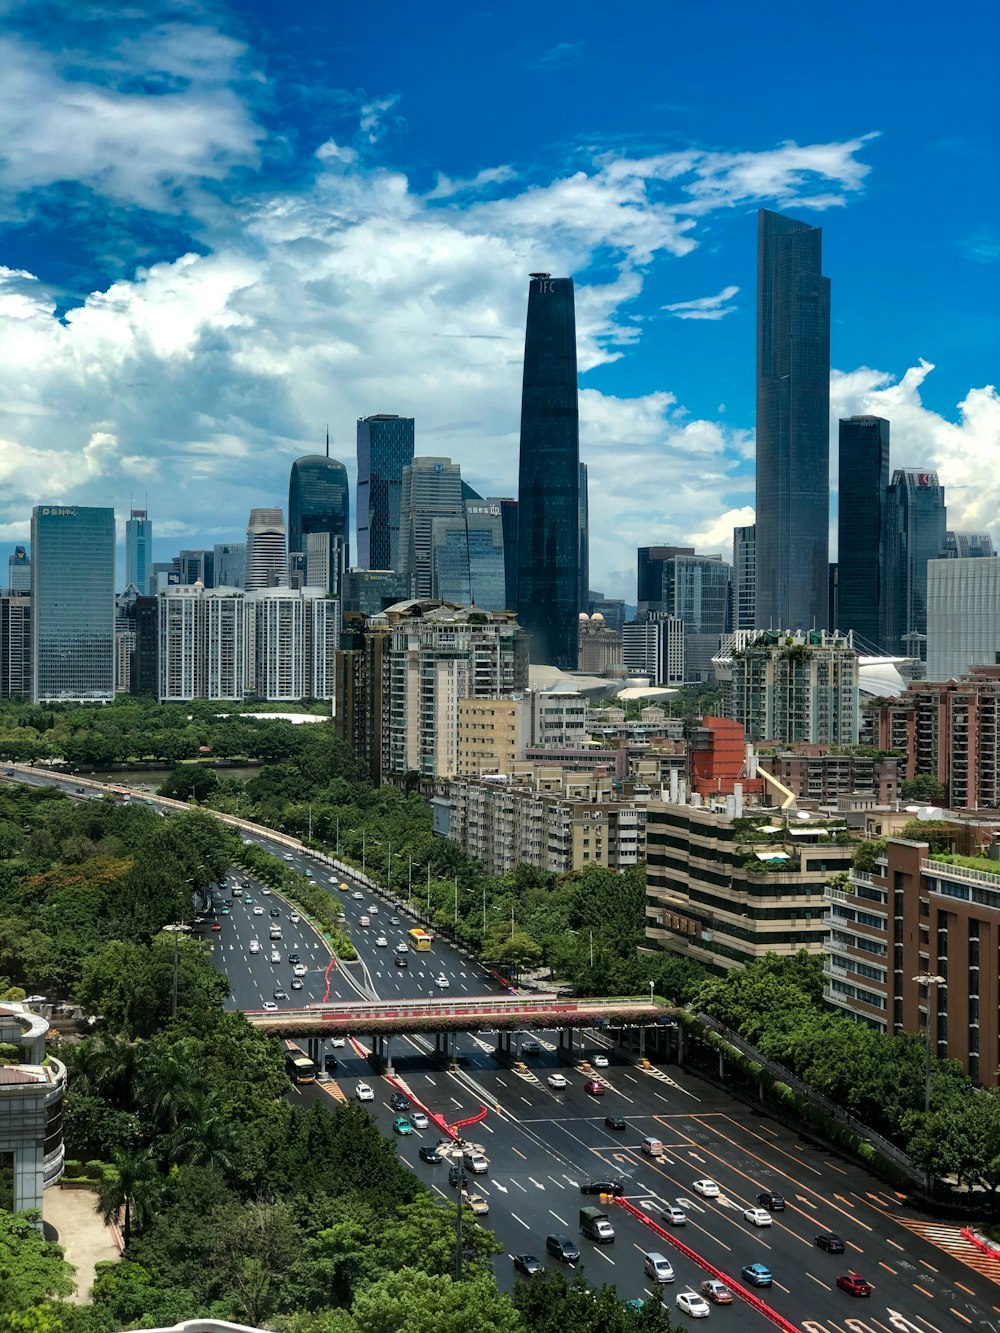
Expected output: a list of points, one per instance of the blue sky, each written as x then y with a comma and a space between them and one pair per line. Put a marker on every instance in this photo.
223, 226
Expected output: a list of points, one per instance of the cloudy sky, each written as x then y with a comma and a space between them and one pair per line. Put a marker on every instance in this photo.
223, 226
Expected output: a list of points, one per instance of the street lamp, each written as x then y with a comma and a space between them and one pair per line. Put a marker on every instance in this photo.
927, 980
651, 985
310, 834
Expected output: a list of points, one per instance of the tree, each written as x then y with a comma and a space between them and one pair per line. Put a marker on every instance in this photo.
422, 1235
923, 787
205, 1139
254, 1246
130, 1182
550, 1304
422, 1303
32, 1269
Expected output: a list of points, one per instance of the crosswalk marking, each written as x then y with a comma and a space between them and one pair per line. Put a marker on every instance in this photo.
950, 1239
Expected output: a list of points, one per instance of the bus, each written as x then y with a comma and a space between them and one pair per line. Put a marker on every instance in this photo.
421, 940
298, 1067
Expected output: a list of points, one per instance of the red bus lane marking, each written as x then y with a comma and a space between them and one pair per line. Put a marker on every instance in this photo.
754, 1301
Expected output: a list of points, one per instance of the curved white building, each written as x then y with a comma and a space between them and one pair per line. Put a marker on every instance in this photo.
31, 1109
267, 550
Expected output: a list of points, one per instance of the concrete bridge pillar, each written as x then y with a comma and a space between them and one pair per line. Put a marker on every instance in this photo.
642, 1042
387, 1056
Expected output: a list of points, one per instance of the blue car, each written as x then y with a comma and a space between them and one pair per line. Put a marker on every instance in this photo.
757, 1275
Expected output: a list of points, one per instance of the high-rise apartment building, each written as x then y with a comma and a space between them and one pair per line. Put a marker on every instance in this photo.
863, 470
138, 550
72, 604
584, 540
796, 687
655, 648
915, 525
19, 570
230, 559
319, 501
385, 447
744, 576
15, 645
291, 639
963, 615
267, 552
548, 578
431, 488
200, 654
793, 424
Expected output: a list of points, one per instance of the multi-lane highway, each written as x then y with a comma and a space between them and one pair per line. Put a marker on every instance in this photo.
543, 1143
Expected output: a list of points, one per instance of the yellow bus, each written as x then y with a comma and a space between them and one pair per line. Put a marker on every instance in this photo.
298, 1066
421, 940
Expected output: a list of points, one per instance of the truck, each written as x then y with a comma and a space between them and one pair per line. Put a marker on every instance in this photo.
595, 1225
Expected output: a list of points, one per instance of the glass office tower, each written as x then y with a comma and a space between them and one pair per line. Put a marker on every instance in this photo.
584, 540
914, 532
19, 570
548, 565
72, 604
863, 471
385, 447
138, 550
793, 425
319, 500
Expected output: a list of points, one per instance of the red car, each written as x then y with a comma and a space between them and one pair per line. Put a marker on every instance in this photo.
216, 925
854, 1285
595, 1088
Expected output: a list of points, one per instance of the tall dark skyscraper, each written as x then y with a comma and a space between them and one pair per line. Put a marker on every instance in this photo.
508, 516
793, 425
915, 525
548, 564
385, 447
319, 500
863, 471
584, 539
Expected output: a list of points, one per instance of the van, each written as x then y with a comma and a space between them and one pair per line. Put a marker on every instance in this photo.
476, 1161
652, 1147
365, 921
657, 1267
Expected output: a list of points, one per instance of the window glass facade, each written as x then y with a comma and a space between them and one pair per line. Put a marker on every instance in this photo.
385, 447
319, 500
863, 467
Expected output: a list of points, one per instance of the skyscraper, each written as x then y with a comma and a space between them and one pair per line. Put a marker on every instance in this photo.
793, 424
138, 550
468, 557
72, 604
863, 470
548, 567
744, 576
508, 520
266, 554
915, 526
584, 540
654, 581
19, 570
385, 446
319, 500
431, 488
230, 559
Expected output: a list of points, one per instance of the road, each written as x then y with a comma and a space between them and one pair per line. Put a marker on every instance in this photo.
543, 1144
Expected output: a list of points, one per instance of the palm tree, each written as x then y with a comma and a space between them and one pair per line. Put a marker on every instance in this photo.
205, 1139
132, 1182
175, 1082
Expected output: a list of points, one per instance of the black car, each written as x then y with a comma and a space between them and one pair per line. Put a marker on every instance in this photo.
771, 1200
401, 960
615, 1122
562, 1248
831, 1242
453, 1174
398, 1102
526, 1264
615, 1187
294, 958
330, 1062
430, 1155
275, 911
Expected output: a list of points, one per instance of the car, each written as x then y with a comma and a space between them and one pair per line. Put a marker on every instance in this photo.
269, 1006
226, 911
248, 899
300, 969
398, 1102
854, 1284
674, 1216
382, 942
275, 956
296, 983
454, 1171
562, 1248
636, 1303
330, 1062
599, 1061
280, 993
258, 910
295, 918
758, 1275
594, 1087
658, 1267
717, 1292
402, 947
526, 1264
478, 1204
402, 1126
760, 1217
266, 893
80, 791
442, 982
255, 946
400, 961
358, 897
477, 1162
372, 909
418, 1120
615, 1122
689, 1302
275, 911
614, 1187
294, 958
708, 1189
338, 1041
394, 921
771, 1200
216, 925
530, 1047
429, 1154
558, 1081
364, 1092
831, 1242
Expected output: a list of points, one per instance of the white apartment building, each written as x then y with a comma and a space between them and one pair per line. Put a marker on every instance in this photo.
963, 615
291, 643
200, 643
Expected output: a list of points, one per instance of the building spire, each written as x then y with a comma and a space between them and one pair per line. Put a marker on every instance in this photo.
328, 440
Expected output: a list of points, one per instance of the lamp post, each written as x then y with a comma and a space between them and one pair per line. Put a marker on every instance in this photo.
456, 904
927, 980
409, 884
484, 911
364, 853
338, 834
591, 950
388, 875
512, 920
428, 888
310, 834
651, 985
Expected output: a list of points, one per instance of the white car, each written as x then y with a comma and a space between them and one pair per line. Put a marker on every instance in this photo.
372, 910
442, 982
295, 918
558, 1081
418, 1120
689, 1302
300, 969
338, 1041
255, 946
269, 1006
296, 983
358, 897
402, 947
364, 1092
382, 942
708, 1189
266, 893
599, 1061
760, 1217
258, 910
275, 956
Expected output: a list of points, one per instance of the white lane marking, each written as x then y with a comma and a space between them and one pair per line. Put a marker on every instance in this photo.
560, 1220
521, 1220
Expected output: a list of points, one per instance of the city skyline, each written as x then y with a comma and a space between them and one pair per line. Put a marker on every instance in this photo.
355, 254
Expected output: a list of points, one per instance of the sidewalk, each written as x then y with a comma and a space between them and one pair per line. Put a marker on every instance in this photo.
71, 1221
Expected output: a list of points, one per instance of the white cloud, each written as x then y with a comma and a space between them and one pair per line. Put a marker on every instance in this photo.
704, 307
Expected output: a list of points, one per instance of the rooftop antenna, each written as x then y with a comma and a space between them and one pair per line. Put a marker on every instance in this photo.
328, 440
